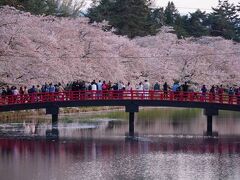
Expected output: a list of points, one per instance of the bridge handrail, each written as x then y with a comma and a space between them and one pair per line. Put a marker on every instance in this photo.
119, 95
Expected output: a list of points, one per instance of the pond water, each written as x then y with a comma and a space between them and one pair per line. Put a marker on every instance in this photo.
169, 145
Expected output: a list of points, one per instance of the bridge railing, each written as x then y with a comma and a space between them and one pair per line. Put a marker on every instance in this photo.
119, 95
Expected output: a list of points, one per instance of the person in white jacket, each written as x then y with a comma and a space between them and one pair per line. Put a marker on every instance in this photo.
128, 88
94, 88
146, 88
139, 88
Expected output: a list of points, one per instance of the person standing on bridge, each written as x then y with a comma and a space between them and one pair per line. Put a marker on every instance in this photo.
176, 88
25, 91
128, 88
238, 95
165, 90
3, 95
38, 89
109, 85
212, 93
9, 91
146, 88
121, 89
51, 88
47, 87
204, 91
21, 91
104, 89
4, 92
104, 86
32, 90
139, 88
230, 95
220, 93
120, 85
99, 88
185, 88
156, 89
60, 87
99, 85
15, 91
94, 88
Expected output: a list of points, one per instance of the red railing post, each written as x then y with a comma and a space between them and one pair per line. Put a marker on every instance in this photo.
230, 98
220, 98
181, 95
150, 95
171, 95
238, 98
161, 95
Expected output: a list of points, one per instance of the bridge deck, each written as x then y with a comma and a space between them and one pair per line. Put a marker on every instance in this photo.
121, 98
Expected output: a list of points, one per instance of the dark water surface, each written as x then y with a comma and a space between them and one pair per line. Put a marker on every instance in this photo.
170, 145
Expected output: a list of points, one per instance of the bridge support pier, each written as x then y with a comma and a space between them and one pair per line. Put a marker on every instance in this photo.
131, 109
209, 125
210, 113
53, 133
54, 121
131, 123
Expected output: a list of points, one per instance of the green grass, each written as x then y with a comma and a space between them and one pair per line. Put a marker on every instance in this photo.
155, 113
232, 114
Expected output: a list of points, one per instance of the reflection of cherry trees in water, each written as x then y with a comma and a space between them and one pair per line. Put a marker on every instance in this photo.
30, 128
114, 158
37, 45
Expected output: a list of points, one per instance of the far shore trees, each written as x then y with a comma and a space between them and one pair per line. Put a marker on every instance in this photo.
140, 18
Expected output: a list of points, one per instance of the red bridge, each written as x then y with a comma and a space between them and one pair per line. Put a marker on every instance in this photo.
211, 103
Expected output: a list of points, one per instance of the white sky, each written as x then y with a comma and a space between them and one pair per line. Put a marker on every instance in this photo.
185, 6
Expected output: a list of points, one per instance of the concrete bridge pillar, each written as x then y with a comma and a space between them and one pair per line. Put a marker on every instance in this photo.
210, 113
131, 109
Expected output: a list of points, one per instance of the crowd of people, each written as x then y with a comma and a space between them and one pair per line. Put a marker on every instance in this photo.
104, 85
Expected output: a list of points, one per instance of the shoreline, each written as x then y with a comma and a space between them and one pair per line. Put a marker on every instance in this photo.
85, 111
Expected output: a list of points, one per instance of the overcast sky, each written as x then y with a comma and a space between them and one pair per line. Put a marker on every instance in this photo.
185, 6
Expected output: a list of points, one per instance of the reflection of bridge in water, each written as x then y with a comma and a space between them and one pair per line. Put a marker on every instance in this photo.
131, 100
109, 148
